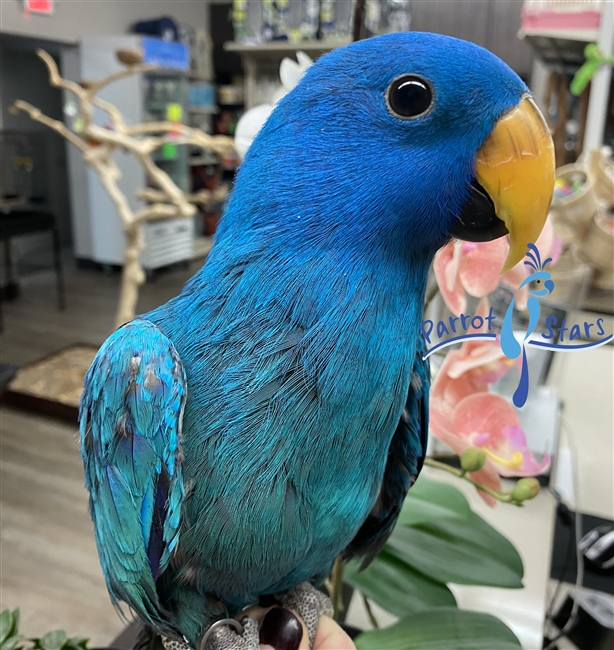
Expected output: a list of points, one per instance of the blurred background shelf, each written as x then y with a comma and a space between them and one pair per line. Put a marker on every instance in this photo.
285, 48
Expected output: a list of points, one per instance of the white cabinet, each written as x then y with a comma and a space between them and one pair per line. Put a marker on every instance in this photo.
167, 242
97, 227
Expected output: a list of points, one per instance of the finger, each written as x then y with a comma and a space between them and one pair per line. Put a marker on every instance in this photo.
255, 611
331, 637
282, 629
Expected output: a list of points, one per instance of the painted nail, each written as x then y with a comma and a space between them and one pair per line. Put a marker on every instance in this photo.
281, 629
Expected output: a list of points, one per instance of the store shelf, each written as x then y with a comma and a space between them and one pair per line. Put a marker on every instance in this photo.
563, 48
198, 161
203, 110
585, 35
283, 48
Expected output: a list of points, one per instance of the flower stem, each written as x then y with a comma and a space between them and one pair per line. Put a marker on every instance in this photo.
370, 614
504, 497
337, 587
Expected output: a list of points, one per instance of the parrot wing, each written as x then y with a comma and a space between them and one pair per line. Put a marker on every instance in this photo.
405, 460
130, 421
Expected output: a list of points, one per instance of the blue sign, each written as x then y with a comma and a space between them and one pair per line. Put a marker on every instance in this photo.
166, 54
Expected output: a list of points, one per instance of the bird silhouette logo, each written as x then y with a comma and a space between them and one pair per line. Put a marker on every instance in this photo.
543, 286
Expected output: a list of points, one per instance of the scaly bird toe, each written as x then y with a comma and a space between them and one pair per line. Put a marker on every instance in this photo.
226, 634
310, 604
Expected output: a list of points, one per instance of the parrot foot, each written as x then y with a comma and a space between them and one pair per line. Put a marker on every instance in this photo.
172, 644
227, 634
310, 604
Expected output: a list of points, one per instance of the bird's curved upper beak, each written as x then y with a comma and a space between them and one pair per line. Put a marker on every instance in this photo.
514, 170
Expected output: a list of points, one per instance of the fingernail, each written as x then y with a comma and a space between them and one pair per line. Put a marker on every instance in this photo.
281, 629
267, 601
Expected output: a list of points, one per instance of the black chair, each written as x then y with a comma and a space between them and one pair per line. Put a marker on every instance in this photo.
24, 220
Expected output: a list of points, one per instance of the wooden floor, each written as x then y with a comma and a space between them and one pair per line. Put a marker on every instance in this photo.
48, 562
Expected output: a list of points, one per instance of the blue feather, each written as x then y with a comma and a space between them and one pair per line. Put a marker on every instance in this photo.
130, 421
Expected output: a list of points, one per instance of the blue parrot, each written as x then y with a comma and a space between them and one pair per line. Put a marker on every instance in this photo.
272, 416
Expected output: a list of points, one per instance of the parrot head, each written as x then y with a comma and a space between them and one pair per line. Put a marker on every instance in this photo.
410, 138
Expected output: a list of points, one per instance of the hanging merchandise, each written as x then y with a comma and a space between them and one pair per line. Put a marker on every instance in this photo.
373, 16
281, 19
239, 20
396, 15
268, 14
275, 20
344, 19
327, 18
310, 22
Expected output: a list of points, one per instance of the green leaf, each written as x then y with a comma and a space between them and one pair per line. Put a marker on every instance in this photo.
11, 642
75, 643
79, 641
16, 615
479, 533
430, 500
442, 628
455, 551
396, 587
53, 640
6, 624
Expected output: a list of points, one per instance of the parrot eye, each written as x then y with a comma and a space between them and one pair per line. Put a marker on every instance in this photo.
409, 97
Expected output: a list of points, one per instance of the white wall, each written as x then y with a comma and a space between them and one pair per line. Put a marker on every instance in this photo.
74, 19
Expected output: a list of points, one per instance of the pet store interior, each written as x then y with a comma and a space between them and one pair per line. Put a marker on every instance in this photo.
123, 127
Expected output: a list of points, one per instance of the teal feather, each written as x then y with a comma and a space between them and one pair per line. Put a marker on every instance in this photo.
130, 422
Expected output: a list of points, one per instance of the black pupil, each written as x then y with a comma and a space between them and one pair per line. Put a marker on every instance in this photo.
409, 97
538, 281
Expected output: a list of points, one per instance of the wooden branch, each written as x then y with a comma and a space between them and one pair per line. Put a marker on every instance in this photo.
95, 86
216, 143
109, 175
59, 127
202, 197
115, 138
166, 185
114, 114
160, 211
133, 275
56, 80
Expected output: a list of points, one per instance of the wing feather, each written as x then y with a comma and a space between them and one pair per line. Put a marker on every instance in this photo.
405, 460
130, 422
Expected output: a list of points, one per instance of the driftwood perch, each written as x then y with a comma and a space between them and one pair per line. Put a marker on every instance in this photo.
98, 144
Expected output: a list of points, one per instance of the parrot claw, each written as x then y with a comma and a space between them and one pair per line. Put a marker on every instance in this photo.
310, 604
225, 635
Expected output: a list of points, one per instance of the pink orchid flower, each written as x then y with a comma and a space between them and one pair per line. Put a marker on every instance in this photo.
473, 268
464, 414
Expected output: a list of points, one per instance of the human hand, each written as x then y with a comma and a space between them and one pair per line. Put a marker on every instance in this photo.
282, 629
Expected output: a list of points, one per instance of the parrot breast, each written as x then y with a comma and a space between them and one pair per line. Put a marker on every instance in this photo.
293, 398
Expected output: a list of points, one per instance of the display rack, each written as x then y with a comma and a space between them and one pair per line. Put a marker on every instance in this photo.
261, 63
563, 50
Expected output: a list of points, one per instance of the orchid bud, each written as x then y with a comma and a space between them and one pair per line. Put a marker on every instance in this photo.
472, 459
526, 488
